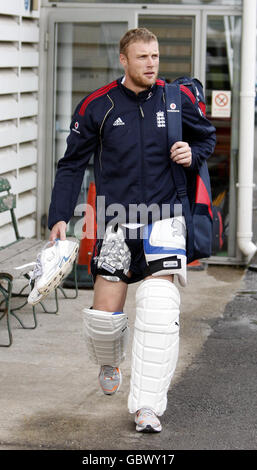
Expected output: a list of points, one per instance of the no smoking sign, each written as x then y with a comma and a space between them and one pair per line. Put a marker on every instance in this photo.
221, 103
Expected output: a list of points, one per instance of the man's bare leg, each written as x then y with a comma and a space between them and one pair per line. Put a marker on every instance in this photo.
108, 295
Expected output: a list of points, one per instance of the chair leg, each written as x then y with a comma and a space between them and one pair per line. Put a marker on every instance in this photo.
75, 282
21, 322
7, 314
12, 310
56, 304
7, 293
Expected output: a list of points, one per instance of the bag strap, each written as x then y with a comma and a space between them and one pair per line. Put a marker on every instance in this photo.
174, 124
174, 121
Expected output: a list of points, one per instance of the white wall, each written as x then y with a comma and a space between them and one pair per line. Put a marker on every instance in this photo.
19, 82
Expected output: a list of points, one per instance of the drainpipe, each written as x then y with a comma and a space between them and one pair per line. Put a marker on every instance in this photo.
246, 131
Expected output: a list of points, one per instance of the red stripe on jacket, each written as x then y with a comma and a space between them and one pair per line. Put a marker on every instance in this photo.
160, 82
102, 91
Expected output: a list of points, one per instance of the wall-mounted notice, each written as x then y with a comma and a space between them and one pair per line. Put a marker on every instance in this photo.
221, 104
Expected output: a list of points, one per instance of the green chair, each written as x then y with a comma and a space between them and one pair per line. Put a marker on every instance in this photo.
7, 294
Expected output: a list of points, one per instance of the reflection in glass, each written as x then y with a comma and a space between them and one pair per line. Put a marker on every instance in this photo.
175, 35
223, 73
87, 57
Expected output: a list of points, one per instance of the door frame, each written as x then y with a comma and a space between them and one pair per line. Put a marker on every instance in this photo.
94, 13
78, 13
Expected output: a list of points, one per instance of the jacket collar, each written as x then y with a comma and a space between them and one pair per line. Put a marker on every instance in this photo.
142, 96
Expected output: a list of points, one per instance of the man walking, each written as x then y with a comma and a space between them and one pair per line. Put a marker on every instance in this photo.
123, 124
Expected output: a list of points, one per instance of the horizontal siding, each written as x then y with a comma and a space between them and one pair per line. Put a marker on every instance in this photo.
19, 62
27, 227
28, 81
16, 8
11, 108
9, 55
8, 107
7, 234
9, 28
8, 159
8, 133
27, 180
4, 220
10, 82
28, 130
29, 31
10, 8
27, 155
26, 205
28, 105
29, 56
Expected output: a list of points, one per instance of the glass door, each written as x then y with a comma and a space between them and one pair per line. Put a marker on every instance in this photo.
83, 55
176, 35
203, 42
87, 58
222, 90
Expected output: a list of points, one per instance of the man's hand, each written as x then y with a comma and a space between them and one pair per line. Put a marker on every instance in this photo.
180, 153
58, 231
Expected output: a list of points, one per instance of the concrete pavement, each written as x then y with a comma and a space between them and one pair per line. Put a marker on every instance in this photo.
50, 397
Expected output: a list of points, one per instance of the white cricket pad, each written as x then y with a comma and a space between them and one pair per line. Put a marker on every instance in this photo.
106, 335
155, 345
165, 248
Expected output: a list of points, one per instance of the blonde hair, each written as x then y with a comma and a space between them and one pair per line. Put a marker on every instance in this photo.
134, 35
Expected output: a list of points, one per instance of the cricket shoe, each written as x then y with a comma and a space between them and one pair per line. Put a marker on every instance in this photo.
110, 379
53, 263
147, 421
34, 296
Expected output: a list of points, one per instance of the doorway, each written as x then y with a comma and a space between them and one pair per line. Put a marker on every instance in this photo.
202, 42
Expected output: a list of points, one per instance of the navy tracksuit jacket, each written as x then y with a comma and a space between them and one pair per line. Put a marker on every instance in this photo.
127, 134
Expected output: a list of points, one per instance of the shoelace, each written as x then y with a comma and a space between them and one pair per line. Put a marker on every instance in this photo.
37, 271
146, 412
108, 372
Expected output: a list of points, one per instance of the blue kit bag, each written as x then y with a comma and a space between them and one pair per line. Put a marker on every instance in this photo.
193, 186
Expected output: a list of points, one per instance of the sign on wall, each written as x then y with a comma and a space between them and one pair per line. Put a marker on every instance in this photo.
221, 103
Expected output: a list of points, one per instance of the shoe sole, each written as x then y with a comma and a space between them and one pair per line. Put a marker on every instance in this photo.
148, 429
112, 393
58, 276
